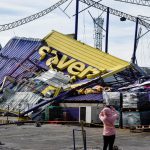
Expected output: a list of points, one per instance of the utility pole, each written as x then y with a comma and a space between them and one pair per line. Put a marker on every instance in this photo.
76, 20
135, 41
121, 111
0, 46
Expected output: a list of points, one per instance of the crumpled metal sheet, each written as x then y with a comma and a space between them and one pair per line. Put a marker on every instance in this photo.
20, 101
54, 78
139, 100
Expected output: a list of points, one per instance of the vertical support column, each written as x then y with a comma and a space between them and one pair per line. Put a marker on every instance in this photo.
135, 41
83, 132
107, 30
74, 144
76, 20
121, 106
83, 135
7, 113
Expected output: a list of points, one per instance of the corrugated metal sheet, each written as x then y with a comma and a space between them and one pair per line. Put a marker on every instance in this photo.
20, 47
16, 50
87, 97
85, 53
20, 101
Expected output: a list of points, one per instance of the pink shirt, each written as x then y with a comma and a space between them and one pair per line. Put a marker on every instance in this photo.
108, 117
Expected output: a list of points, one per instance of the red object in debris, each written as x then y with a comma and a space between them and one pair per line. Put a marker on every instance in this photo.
147, 87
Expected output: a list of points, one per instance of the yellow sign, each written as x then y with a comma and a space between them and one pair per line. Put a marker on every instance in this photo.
74, 68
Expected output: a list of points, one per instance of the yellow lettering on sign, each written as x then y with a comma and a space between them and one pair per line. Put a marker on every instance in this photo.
64, 62
53, 60
73, 78
48, 88
43, 50
89, 72
75, 68
94, 73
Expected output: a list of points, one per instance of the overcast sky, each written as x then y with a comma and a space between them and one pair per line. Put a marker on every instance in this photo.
121, 34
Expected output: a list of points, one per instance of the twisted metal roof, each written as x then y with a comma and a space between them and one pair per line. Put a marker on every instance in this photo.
15, 51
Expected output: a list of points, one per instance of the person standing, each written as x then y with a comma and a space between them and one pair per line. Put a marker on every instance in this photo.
108, 116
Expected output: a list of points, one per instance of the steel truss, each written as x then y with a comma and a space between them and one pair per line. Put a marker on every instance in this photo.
115, 12
137, 2
31, 18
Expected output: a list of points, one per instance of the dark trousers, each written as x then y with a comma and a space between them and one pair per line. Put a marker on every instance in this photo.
108, 141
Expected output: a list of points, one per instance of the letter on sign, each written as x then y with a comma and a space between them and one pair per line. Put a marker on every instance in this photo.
75, 68
43, 50
53, 60
89, 72
64, 62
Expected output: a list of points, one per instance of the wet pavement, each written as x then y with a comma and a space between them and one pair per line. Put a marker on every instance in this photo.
60, 137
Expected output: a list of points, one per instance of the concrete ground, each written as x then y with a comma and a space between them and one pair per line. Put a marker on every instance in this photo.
60, 137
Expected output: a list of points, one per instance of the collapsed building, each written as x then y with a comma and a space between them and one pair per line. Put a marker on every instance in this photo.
59, 78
